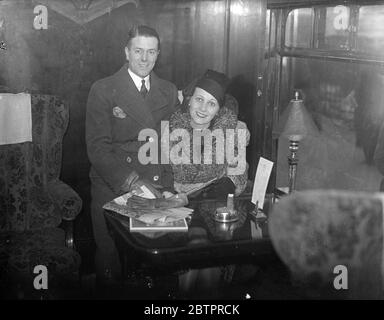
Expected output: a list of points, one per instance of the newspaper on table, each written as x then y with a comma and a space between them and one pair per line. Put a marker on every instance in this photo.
263, 172
149, 216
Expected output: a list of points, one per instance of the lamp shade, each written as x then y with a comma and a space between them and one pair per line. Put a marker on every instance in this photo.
296, 122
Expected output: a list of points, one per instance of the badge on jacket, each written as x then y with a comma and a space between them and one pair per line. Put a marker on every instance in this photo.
119, 113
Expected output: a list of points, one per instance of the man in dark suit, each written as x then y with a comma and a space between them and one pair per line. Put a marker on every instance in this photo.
118, 108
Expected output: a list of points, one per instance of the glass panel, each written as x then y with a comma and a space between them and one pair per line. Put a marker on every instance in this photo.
370, 35
270, 31
298, 32
346, 102
333, 28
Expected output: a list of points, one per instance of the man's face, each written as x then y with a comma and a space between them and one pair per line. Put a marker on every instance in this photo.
142, 54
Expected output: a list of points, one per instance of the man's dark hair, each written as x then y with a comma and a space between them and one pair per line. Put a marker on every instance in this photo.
144, 31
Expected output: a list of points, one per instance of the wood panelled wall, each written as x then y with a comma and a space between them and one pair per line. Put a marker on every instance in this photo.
67, 58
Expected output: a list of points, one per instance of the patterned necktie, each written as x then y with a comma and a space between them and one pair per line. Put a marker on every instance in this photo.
143, 89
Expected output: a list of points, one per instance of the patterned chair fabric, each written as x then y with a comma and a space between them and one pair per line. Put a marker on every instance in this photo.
33, 201
315, 231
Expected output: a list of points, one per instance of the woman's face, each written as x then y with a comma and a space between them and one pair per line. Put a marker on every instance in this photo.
203, 107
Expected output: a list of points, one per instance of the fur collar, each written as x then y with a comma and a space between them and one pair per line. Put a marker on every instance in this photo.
200, 173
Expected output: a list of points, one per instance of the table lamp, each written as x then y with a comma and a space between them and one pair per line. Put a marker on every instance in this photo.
295, 124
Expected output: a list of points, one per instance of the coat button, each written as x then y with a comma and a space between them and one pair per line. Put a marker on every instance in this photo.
129, 159
150, 139
155, 178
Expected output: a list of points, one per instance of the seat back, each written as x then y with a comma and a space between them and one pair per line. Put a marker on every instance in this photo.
26, 168
315, 231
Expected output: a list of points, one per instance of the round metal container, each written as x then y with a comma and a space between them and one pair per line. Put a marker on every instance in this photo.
222, 214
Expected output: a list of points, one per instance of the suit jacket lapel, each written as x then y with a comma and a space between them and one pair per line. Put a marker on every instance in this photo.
155, 99
128, 98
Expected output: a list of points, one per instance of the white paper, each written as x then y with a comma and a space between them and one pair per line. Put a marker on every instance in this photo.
15, 118
263, 173
146, 193
122, 200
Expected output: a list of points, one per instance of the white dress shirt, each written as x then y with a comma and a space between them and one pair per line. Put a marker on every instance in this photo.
137, 80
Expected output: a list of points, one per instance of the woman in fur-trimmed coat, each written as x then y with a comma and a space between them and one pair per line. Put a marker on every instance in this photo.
208, 108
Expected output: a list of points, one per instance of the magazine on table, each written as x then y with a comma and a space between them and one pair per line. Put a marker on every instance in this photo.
156, 216
139, 226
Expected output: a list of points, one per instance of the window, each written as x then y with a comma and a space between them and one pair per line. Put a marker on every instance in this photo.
333, 25
346, 102
353, 29
298, 32
370, 35
343, 93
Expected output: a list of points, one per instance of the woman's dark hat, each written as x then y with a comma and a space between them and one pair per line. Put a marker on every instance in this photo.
215, 83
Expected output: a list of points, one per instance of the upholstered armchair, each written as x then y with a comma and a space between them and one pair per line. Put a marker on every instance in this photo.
332, 242
33, 203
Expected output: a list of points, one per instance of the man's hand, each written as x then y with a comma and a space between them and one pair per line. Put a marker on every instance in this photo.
133, 182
